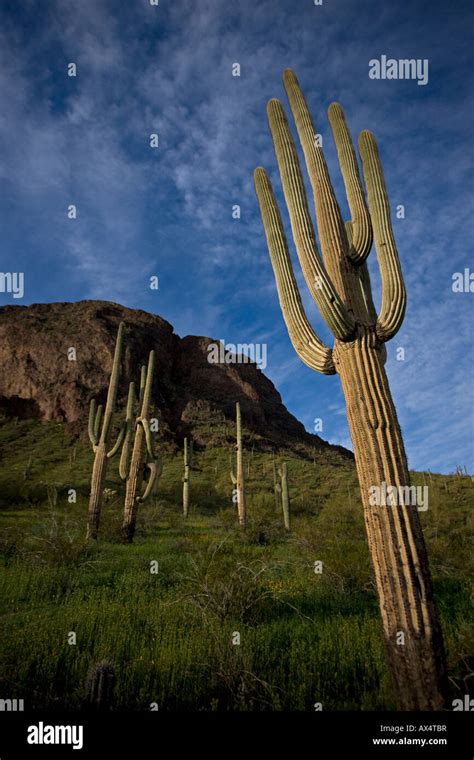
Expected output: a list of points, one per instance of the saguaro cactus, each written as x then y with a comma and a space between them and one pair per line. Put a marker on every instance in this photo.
100, 443
276, 486
238, 477
285, 499
341, 290
188, 463
132, 467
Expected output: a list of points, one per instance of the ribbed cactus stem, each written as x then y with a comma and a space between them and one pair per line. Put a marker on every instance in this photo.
134, 467
100, 443
188, 463
410, 620
285, 499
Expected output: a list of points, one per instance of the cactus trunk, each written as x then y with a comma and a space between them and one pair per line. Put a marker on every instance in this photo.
99, 473
133, 487
131, 468
394, 533
240, 485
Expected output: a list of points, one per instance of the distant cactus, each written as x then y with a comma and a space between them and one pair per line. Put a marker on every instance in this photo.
188, 463
132, 467
100, 685
285, 499
100, 439
339, 283
276, 486
238, 479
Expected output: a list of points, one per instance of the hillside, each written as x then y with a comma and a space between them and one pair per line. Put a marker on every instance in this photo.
38, 381
164, 611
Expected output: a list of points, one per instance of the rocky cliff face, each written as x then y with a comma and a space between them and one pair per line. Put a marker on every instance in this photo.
39, 376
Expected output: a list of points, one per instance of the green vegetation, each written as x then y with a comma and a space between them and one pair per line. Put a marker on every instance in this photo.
306, 637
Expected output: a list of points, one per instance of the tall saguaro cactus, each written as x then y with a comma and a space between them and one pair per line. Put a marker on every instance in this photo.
188, 463
341, 289
100, 439
132, 467
238, 477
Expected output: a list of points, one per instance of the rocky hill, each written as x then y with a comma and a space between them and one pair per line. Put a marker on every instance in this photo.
40, 378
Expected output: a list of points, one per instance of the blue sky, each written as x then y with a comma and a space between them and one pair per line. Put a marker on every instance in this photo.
167, 69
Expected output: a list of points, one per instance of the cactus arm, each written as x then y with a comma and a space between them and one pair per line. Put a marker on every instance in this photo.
113, 384
148, 437
124, 465
143, 373
360, 224
306, 343
148, 385
118, 442
331, 230
97, 421
91, 426
153, 467
331, 307
392, 310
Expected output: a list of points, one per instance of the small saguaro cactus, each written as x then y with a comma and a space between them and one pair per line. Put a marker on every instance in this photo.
132, 467
285, 499
340, 285
276, 486
100, 439
100, 685
238, 477
188, 463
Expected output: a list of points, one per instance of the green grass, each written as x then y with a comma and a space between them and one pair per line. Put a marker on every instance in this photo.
304, 637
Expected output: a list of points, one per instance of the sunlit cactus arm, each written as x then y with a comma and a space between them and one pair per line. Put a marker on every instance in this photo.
307, 345
392, 310
332, 235
360, 225
331, 307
